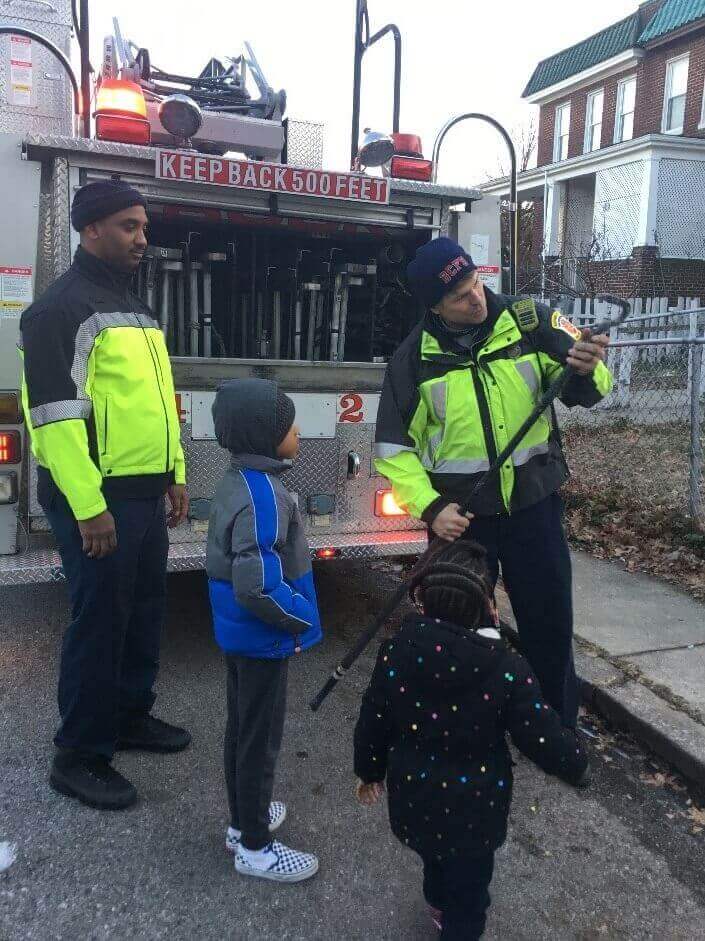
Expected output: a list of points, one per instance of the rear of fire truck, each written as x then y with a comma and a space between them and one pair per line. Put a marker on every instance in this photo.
261, 263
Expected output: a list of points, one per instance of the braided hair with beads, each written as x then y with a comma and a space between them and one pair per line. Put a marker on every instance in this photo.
457, 586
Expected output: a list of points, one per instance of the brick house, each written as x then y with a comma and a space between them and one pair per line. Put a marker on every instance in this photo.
618, 194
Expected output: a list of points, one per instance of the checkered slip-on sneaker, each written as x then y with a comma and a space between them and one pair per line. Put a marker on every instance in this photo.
277, 816
279, 864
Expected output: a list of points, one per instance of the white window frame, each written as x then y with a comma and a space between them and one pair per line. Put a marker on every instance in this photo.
701, 125
589, 124
667, 96
619, 111
557, 136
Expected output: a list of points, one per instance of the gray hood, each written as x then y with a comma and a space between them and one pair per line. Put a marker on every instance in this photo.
244, 416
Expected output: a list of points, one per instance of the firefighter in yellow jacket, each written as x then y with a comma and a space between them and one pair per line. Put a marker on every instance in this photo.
99, 403
455, 392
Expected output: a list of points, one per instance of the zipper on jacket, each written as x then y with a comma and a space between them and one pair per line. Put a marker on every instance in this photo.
160, 381
484, 410
105, 428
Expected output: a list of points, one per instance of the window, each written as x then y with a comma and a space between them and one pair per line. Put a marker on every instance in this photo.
701, 126
624, 118
593, 121
674, 96
562, 128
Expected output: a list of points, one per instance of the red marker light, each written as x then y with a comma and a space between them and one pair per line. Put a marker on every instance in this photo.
327, 553
10, 447
411, 168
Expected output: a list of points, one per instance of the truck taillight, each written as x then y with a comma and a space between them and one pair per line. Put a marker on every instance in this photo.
411, 168
386, 505
10, 411
408, 161
122, 130
10, 447
8, 487
121, 113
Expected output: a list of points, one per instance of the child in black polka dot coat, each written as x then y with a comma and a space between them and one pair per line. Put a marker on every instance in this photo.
432, 724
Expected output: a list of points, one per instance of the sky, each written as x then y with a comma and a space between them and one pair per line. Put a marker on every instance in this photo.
457, 56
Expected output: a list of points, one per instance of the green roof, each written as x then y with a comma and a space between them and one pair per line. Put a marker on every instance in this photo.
603, 45
672, 15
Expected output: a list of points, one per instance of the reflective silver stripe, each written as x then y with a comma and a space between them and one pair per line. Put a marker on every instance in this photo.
462, 467
89, 330
528, 374
59, 411
439, 396
385, 450
432, 447
525, 455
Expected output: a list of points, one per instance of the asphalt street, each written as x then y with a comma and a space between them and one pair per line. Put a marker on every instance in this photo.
624, 859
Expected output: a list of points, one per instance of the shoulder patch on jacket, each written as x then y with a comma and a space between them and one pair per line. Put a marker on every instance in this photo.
560, 322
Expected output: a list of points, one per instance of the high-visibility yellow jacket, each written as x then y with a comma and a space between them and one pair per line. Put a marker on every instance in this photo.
446, 412
97, 389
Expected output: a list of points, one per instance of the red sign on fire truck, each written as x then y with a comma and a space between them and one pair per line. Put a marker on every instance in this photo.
271, 177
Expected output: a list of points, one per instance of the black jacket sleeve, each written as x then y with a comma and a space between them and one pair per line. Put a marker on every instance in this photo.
372, 732
536, 729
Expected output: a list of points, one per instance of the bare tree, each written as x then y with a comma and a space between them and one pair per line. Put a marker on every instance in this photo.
525, 138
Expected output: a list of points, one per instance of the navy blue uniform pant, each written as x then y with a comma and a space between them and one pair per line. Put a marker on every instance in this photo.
110, 650
459, 889
530, 548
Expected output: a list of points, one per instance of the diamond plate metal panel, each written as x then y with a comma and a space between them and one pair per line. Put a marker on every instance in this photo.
80, 145
680, 209
61, 226
51, 107
315, 470
355, 499
304, 143
434, 189
43, 566
38, 11
445, 219
322, 467
45, 263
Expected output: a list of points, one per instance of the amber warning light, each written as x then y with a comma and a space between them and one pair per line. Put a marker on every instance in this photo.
386, 505
121, 113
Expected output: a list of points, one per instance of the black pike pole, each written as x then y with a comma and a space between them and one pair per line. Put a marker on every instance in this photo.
437, 546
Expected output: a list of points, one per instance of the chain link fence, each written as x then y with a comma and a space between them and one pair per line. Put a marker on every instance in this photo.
637, 457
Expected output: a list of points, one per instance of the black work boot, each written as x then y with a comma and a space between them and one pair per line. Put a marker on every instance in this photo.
92, 780
148, 733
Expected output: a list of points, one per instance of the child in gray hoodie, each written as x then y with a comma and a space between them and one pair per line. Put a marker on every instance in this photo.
264, 611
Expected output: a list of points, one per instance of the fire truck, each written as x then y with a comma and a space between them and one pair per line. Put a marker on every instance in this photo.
262, 262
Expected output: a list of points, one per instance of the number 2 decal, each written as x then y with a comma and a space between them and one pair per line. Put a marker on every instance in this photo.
351, 405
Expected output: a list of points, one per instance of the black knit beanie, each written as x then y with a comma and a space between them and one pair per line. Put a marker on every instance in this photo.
100, 199
438, 266
284, 415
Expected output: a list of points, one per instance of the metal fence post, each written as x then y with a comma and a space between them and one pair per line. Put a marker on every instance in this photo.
695, 360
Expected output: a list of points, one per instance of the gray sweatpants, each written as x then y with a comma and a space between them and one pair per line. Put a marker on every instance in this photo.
253, 735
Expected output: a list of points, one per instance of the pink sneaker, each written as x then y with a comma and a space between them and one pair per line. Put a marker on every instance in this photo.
436, 917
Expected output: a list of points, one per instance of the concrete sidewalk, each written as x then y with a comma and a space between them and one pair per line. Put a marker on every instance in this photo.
640, 651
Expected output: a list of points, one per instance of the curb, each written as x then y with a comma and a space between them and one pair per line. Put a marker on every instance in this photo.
670, 734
